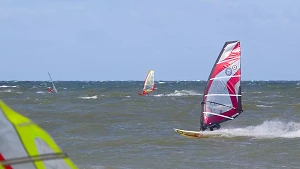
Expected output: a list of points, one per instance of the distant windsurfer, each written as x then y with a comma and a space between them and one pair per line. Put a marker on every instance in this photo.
50, 90
144, 93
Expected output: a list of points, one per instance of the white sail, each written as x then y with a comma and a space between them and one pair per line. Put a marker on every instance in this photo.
54, 88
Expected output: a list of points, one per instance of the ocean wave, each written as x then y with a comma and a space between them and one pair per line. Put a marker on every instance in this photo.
87, 97
179, 93
269, 129
6, 91
93, 167
260, 105
34, 87
4, 86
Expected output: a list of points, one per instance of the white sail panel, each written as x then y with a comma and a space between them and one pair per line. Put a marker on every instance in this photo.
43, 148
217, 97
227, 51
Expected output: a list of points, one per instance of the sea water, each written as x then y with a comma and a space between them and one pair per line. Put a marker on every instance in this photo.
106, 124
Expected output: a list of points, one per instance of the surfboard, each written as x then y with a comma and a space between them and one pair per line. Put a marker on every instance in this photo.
222, 98
196, 134
148, 84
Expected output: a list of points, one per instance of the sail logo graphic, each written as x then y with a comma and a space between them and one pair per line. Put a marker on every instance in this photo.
228, 71
234, 67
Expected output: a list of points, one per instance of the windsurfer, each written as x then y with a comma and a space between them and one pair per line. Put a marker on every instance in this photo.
217, 126
145, 93
50, 90
211, 128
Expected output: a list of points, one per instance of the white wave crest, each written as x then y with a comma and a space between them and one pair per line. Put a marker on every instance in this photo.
6, 91
180, 93
87, 97
260, 105
269, 129
93, 167
4, 86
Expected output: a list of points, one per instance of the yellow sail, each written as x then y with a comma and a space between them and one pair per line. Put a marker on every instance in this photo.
24, 145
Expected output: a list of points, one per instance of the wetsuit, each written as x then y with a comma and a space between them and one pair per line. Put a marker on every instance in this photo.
217, 126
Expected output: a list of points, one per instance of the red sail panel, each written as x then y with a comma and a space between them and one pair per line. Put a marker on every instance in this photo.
222, 96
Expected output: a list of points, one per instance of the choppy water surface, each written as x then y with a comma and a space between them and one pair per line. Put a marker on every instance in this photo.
108, 125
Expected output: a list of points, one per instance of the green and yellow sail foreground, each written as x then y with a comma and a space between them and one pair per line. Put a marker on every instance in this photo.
24, 145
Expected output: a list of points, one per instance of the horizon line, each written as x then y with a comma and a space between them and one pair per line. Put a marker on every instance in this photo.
126, 80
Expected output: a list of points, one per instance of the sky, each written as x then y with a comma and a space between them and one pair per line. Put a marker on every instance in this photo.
122, 40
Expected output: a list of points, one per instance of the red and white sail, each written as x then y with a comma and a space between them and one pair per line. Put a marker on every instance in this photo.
149, 82
222, 95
